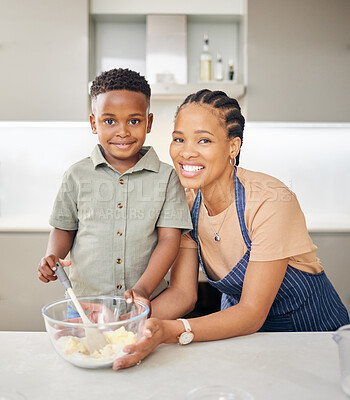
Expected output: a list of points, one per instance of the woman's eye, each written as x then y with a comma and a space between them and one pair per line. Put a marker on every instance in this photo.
178, 140
109, 121
134, 121
204, 141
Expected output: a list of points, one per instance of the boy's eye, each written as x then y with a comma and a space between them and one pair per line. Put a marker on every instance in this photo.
204, 141
109, 121
134, 121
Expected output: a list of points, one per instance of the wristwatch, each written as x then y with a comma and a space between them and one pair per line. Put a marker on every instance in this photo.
187, 336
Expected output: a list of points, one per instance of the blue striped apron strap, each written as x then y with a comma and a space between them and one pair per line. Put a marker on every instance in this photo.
240, 206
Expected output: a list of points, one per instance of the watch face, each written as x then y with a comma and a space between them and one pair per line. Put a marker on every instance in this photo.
186, 337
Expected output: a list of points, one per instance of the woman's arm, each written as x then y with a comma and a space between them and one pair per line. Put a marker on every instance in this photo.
181, 295
261, 283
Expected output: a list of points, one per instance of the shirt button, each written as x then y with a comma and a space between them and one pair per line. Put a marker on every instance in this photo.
119, 260
119, 233
121, 181
119, 286
120, 205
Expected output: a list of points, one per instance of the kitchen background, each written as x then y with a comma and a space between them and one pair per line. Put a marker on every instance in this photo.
291, 63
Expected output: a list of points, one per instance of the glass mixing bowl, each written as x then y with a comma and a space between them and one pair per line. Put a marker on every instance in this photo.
121, 324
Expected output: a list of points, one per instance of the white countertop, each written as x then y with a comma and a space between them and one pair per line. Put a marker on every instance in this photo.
271, 366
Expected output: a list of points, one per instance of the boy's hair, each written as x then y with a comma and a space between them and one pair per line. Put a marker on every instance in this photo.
120, 79
228, 107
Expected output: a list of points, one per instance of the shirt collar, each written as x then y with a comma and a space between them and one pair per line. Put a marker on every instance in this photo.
97, 156
149, 160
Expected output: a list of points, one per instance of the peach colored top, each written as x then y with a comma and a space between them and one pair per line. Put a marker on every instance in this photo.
275, 223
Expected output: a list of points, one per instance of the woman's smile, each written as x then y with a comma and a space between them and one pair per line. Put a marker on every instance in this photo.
190, 170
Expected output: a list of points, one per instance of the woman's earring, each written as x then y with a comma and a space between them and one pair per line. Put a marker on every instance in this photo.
233, 161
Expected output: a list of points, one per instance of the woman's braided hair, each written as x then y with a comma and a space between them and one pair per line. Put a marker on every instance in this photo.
228, 107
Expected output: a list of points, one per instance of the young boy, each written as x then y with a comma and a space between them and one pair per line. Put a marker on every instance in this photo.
119, 212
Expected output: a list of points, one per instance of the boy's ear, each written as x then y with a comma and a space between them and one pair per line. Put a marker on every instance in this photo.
93, 123
150, 122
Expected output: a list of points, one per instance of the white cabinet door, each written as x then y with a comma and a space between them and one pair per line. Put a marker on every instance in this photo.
44, 60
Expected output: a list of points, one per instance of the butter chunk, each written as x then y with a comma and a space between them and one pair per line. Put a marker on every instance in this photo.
73, 346
120, 336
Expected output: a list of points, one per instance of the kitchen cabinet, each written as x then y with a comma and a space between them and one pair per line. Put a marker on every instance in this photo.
118, 38
298, 61
20, 288
44, 60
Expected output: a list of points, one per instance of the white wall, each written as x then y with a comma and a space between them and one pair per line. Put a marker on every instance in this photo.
312, 159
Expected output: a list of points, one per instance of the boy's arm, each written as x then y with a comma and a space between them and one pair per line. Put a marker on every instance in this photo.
59, 244
160, 262
180, 297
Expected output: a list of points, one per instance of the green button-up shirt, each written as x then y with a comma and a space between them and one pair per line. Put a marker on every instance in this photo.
116, 217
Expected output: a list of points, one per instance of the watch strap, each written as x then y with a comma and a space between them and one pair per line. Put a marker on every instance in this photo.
186, 324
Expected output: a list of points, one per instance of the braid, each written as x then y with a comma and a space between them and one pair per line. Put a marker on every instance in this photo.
230, 111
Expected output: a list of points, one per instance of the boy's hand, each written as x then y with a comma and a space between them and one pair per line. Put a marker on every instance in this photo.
136, 294
47, 267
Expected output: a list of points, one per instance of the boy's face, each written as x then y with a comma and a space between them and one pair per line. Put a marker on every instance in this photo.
120, 119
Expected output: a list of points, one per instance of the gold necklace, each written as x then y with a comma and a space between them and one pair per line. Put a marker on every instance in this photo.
216, 233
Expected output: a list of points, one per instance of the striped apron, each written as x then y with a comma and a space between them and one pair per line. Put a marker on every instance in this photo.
304, 302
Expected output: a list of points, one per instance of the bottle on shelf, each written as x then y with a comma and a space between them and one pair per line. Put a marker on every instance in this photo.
231, 72
206, 59
219, 68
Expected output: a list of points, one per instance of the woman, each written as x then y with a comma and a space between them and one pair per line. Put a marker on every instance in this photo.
249, 236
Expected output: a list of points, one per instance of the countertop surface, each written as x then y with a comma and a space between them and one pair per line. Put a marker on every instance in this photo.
271, 366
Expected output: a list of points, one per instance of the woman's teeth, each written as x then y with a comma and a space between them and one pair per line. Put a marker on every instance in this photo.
192, 168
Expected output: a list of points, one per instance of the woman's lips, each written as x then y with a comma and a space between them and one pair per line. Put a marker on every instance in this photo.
191, 170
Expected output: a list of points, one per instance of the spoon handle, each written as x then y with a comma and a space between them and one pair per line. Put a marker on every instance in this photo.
62, 276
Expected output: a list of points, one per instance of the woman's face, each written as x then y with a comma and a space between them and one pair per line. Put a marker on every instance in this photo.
200, 148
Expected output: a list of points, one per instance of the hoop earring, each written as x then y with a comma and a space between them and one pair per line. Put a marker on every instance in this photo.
233, 161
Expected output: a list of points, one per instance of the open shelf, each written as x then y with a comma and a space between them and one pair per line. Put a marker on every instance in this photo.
163, 91
118, 35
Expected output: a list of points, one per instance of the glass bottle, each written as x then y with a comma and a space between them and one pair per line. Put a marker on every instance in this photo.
206, 59
231, 72
219, 68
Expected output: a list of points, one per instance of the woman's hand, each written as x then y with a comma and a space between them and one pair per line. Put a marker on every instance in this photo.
152, 336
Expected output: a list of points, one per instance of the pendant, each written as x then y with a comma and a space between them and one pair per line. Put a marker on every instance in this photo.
217, 237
